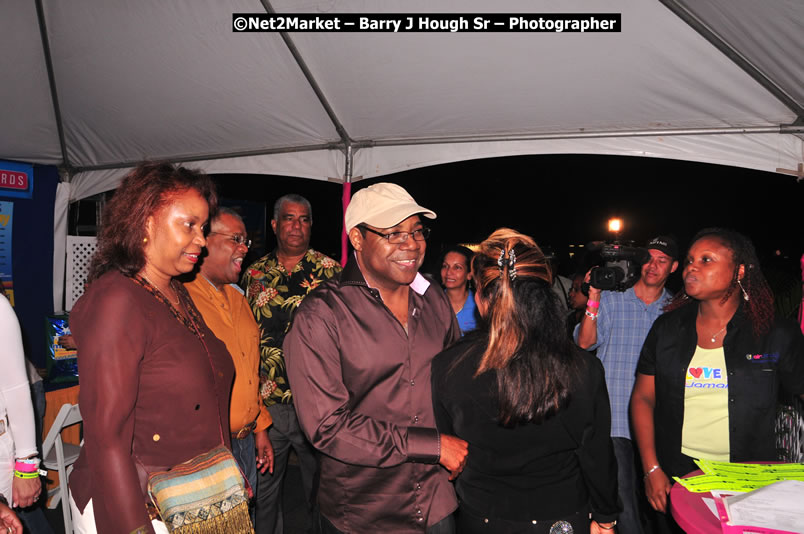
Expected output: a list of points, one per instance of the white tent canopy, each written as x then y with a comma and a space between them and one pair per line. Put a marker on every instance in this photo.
95, 87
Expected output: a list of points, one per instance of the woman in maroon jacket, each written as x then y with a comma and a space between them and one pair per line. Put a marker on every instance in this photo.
155, 381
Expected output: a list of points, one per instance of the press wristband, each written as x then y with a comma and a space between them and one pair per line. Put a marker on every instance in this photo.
25, 467
591, 315
26, 475
593, 303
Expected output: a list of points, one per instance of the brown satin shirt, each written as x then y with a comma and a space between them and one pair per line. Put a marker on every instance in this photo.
362, 393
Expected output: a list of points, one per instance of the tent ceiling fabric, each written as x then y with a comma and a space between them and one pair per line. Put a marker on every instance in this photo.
768, 34
159, 80
500, 83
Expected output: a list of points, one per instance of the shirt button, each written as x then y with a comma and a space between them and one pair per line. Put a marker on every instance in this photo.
157, 437
412, 383
485, 519
418, 512
534, 522
419, 519
415, 418
418, 486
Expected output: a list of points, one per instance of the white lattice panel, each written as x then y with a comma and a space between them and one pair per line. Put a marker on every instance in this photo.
79, 253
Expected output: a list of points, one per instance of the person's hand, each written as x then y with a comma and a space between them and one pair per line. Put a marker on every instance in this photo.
265, 452
453, 454
594, 293
657, 487
67, 342
9, 520
601, 528
25, 491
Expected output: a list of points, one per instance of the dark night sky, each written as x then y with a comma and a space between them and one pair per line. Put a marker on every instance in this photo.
567, 199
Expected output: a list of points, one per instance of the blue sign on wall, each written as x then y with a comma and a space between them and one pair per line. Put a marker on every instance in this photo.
6, 213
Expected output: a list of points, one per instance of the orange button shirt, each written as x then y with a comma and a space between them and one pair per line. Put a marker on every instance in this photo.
228, 315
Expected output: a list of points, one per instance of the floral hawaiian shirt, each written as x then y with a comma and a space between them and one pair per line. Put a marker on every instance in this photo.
274, 294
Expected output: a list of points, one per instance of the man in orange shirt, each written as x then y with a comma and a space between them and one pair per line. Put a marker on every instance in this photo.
228, 315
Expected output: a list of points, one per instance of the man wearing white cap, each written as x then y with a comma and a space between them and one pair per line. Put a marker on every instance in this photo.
358, 359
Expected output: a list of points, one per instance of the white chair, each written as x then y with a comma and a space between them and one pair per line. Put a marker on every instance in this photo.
60, 456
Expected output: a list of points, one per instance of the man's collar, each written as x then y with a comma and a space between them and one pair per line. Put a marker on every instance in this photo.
213, 286
352, 276
273, 255
663, 295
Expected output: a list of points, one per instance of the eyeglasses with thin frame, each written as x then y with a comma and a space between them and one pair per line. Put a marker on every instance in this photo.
397, 238
237, 238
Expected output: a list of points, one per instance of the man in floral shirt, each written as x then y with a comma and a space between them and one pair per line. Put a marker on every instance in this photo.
275, 285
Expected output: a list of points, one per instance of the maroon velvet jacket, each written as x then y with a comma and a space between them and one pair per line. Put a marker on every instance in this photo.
148, 396
361, 387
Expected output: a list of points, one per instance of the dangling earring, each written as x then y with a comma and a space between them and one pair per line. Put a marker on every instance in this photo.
144, 240
745, 295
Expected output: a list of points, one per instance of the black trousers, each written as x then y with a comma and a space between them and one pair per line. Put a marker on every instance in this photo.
471, 523
322, 525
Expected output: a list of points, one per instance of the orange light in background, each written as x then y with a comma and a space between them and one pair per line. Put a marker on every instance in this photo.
615, 225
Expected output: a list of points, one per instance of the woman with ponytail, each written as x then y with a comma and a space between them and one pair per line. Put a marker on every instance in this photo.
533, 407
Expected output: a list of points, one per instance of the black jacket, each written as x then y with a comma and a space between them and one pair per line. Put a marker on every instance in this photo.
531, 471
756, 368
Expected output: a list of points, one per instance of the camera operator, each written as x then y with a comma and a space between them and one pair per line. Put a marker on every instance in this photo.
616, 324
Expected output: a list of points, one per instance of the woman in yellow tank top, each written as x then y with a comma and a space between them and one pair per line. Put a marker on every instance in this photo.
711, 368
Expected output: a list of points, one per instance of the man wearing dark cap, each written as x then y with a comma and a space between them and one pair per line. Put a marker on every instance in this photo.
358, 357
616, 324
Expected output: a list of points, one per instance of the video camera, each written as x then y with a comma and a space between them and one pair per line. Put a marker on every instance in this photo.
620, 268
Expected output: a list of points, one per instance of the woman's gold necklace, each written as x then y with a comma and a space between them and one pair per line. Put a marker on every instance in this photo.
165, 295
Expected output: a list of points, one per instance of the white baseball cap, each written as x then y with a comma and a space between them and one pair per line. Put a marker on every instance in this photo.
382, 205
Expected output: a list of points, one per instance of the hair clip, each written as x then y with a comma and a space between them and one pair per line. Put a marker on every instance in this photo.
501, 261
512, 264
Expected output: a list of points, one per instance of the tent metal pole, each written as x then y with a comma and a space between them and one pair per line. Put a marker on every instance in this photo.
733, 54
344, 135
349, 164
346, 197
349, 148
220, 155
784, 129
54, 94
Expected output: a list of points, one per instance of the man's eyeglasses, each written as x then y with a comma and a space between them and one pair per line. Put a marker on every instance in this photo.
397, 238
237, 238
